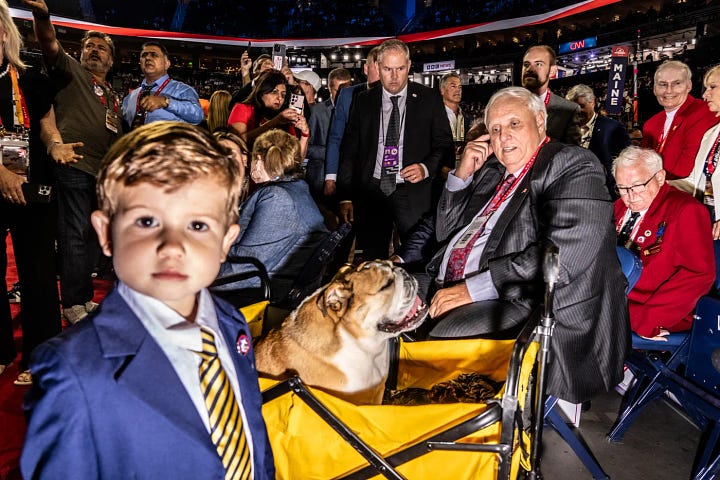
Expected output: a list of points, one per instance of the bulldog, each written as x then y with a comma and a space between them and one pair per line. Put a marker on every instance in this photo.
336, 339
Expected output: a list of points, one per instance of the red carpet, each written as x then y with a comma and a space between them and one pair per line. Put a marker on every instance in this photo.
12, 422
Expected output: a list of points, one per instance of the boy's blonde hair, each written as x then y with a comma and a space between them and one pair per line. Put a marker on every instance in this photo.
281, 153
169, 155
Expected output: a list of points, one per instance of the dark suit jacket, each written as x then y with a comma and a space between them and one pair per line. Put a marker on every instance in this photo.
107, 403
562, 120
427, 139
609, 138
562, 199
690, 123
338, 122
674, 278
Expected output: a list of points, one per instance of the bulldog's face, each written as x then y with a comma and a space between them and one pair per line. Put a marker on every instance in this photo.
375, 299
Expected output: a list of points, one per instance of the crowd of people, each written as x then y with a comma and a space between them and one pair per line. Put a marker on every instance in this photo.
465, 200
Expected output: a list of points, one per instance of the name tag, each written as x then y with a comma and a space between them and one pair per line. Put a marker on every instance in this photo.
112, 121
391, 156
475, 225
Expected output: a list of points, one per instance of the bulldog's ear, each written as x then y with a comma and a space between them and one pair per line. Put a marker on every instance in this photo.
343, 270
336, 297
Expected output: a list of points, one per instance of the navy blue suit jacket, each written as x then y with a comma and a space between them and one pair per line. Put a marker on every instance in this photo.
609, 138
107, 403
337, 126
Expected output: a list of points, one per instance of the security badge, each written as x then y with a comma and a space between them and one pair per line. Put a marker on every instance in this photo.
391, 156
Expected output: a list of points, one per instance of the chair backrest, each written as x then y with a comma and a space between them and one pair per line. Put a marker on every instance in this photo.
255, 268
631, 266
703, 364
311, 275
716, 244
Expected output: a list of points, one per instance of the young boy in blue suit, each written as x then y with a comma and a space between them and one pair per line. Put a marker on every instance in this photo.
121, 395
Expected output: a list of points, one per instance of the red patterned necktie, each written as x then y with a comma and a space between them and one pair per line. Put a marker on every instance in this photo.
459, 255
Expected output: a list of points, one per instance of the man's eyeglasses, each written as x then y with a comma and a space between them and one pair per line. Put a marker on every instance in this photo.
639, 188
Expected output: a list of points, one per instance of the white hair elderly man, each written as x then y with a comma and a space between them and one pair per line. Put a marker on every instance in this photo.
676, 132
514, 193
671, 232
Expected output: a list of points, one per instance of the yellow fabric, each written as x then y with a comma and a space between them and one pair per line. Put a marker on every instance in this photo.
305, 447
254, 315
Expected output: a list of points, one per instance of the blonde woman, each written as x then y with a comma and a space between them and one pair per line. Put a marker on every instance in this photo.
219, 110
704, 181
280, 224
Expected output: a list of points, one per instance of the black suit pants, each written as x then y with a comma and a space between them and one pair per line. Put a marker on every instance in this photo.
375, 214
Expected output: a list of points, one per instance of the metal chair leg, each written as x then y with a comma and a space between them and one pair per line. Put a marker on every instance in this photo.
554, 419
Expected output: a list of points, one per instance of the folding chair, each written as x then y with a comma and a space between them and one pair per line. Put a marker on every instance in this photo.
697, 391
313, 272
647, 361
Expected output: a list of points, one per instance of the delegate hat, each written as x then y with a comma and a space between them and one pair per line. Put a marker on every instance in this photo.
311, 77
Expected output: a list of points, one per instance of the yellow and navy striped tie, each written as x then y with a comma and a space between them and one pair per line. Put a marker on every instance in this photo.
226, 425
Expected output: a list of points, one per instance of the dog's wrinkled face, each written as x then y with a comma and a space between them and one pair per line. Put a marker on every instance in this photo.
374, 297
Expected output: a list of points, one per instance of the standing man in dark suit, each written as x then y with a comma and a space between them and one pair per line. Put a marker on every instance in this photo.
562, 116
496, 216
603, 136
394, 142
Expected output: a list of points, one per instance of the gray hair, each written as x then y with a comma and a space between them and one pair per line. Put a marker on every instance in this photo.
676, 64
581, 91
392, 44
526, 96
444, 79
633, 156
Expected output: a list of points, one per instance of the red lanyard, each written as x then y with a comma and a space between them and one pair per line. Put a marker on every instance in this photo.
495, 204
661, 144
547, 98
100, 92
156, 93
711, 160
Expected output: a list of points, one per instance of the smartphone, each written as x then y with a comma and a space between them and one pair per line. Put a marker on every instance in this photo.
278, 55
36, 193
297, 102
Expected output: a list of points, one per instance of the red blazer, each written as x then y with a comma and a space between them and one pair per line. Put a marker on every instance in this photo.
677, 274
691, 121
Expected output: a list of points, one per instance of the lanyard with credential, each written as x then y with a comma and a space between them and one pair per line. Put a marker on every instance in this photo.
101, 91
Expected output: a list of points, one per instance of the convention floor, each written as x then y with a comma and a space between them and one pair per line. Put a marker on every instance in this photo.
660, 445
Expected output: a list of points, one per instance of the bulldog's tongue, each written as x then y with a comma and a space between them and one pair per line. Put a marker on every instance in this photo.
413, 310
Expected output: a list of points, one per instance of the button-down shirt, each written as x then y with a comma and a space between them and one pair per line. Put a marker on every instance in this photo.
180, 340
457, 123
386, 111
586, 132
184, 103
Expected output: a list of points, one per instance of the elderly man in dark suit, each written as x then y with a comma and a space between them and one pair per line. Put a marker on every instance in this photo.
395, 140
603, 136
539, 65
513, 193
